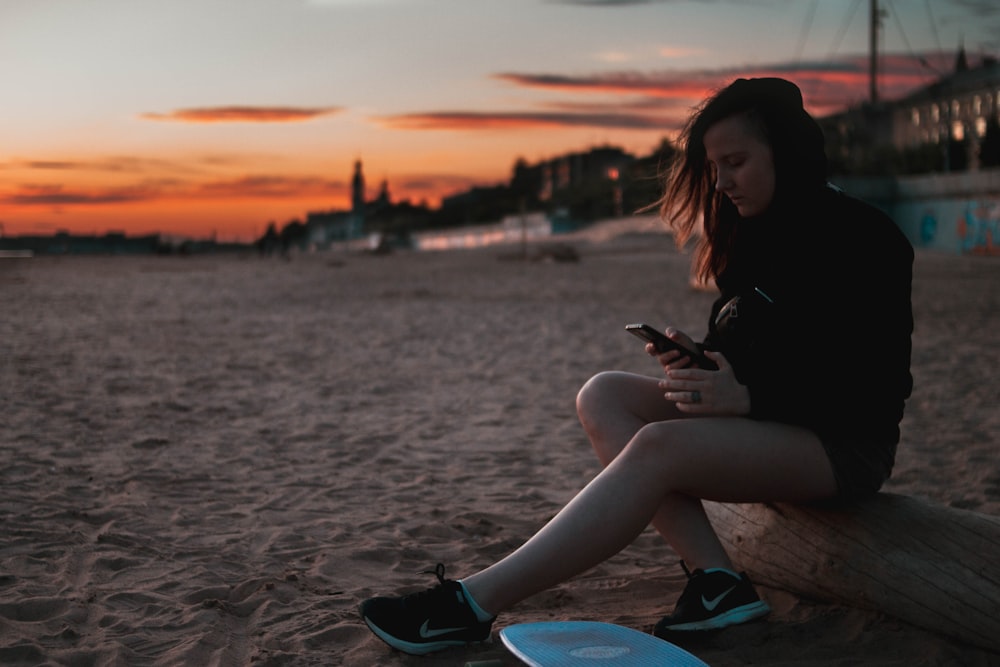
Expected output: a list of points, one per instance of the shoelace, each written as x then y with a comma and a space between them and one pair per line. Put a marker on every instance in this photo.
436, 591
438, 571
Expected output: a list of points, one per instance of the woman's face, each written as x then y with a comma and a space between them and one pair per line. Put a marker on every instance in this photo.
742, 164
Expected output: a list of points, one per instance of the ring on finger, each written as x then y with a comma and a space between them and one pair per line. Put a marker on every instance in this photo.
696, 396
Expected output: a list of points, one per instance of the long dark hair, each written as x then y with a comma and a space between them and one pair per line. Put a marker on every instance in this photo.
774, 107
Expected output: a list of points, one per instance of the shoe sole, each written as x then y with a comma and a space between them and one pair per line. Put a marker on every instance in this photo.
734, 616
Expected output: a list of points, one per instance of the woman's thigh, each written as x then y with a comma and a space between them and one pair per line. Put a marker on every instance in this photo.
733, 459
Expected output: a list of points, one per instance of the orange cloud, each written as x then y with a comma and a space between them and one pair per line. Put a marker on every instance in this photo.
683, 86
662, 101
52, 165
830, 85
472, 120
57, 195
668, 113
269, 187
242, 114
247, 187
126, 164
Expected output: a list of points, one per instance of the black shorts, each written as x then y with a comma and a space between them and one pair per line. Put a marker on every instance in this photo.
861, 462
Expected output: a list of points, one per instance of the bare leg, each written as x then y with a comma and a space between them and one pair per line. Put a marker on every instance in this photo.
613, 406
666, 467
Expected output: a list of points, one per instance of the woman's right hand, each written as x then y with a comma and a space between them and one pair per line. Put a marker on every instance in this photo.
673, 359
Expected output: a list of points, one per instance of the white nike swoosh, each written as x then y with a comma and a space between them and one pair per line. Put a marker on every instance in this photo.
710, 605
427, 633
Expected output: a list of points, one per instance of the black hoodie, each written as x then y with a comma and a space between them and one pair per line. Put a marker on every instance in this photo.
821, 333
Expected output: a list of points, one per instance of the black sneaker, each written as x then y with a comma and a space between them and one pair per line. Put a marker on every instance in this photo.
711, 600
428, 621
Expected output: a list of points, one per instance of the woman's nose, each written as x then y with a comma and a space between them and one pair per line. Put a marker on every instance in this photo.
722, 181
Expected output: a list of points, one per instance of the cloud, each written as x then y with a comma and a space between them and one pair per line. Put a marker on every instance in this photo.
613, 57
840, 82
471, 120
246, 187
667, 113
164, 171
52, 165
662, 100
632, 105
242, 114
113, 164
269, 187
673, 84
680, 52
832, 87
57, 195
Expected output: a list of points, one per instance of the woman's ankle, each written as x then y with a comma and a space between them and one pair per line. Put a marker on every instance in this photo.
482, 614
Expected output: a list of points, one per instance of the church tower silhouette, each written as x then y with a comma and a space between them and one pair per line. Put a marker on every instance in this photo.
358, 190
357, 201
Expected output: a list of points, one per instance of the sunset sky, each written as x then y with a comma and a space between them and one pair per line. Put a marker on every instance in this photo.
216, 117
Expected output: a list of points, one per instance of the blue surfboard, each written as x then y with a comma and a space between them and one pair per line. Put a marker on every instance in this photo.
578, 643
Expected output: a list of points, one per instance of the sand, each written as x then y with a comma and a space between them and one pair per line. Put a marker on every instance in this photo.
212, 460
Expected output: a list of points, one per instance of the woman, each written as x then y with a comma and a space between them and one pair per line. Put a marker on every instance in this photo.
811, 336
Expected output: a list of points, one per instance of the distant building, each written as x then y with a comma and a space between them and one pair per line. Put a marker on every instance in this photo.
954, 110
358, 195
576, 169
325, 227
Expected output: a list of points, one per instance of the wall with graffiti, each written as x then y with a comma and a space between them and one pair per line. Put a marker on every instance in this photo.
967, 226
956, 213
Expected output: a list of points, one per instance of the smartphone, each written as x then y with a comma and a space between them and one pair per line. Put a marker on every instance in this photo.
664, 344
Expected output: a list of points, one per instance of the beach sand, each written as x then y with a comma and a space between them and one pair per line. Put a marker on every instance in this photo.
212, 460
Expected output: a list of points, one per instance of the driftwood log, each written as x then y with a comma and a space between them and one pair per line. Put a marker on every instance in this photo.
932, 566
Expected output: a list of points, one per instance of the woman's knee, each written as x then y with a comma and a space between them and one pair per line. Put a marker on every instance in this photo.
620, 391
653, 438
652, 452
595, 395
611, 396
660, 441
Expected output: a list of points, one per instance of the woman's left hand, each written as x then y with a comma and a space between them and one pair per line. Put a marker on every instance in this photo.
702, 392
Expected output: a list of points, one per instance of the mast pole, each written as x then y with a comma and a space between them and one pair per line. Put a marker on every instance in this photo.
873, 53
